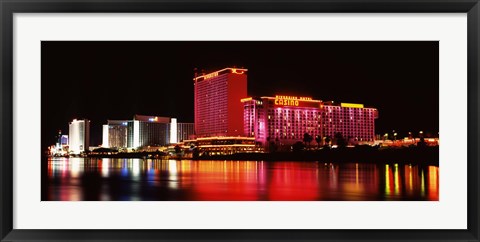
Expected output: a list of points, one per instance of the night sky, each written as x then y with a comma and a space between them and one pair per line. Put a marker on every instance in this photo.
115, 80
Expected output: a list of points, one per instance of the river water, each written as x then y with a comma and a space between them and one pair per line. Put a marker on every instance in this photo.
95, 179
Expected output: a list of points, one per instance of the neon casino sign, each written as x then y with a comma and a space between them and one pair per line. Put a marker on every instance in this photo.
215, 74
290, 100
211, 75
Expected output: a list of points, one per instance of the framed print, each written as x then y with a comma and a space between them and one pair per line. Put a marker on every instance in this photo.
201, 120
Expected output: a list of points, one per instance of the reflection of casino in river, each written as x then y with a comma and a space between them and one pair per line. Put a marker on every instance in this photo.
188, 180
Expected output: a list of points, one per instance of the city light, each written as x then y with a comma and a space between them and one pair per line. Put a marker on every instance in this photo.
231, 128
351, 105
210, 75
173, 131
286, 119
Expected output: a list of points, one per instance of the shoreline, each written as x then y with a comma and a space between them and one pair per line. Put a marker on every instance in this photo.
412, 155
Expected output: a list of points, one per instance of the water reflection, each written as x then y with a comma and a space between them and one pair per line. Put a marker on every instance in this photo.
77, 179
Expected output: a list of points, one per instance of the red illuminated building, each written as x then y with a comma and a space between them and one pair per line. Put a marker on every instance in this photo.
355, 122
281, 119
222, 109
284, 120
218, 110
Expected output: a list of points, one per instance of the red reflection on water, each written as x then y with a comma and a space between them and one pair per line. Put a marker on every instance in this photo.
293, 181
226, 180
358, 182
433, 183
135, 179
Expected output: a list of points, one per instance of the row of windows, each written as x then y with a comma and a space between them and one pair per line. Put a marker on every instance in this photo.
303, 112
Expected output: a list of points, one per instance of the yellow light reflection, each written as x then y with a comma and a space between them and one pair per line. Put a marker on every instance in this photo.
136, 168
356, 173
409, 172
105, 167
75, 195
422, 184
387, 180
397, 180
433, 183
75, 167
172, 174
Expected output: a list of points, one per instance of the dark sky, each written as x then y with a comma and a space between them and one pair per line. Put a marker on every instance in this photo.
115, 80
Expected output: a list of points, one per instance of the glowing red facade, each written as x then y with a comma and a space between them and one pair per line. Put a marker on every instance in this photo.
218, 110
284, 120
355, 123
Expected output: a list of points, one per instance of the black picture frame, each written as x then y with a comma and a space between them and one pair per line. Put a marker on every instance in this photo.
9, 7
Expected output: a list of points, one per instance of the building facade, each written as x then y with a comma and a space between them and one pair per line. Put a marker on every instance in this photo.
222, 145
115, 134
281, 119
79, 136
217, 107
178, 132
62, 140
284, 120
353, 121
145, 131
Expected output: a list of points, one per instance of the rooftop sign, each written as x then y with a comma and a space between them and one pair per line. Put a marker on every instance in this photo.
351, 105
293, 98
217, 73
295, 101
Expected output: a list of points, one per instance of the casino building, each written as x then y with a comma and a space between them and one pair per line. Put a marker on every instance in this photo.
355, 122
285, 119
281, 119
223, 110
217, 107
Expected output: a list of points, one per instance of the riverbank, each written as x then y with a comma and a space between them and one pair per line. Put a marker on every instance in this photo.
365, 154
423, 155
140, 155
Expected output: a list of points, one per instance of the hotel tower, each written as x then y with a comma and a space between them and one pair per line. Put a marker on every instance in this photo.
79, 136
218, 110
285, 120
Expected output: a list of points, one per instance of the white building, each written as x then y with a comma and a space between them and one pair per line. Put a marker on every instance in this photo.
115, 134
179, 132
79, 136
156, 131
144, 131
